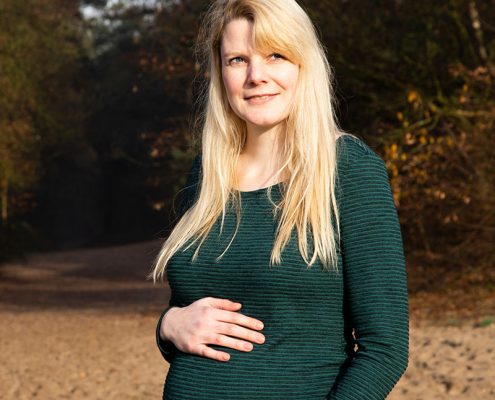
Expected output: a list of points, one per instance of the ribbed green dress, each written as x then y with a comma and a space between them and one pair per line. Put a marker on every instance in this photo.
308, 314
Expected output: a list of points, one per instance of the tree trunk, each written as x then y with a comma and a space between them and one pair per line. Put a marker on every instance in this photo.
476, 23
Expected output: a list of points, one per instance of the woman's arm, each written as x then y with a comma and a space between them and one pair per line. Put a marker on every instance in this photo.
376, 300
187, 198
166, 347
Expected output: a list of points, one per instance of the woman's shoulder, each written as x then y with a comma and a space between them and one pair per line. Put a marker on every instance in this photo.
353, 147
358, 163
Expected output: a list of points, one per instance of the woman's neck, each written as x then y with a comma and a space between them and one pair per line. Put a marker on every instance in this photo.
260, 159
262, 144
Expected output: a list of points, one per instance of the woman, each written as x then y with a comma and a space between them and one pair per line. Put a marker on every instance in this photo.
286, 268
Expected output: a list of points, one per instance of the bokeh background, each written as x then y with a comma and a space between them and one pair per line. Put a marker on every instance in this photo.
97, 131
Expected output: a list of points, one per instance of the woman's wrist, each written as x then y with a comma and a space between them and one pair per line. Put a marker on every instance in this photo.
165, 331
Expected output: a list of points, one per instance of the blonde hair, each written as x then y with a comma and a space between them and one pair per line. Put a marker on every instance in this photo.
309, 153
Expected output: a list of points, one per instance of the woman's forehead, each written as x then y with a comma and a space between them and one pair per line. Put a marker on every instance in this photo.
240, 35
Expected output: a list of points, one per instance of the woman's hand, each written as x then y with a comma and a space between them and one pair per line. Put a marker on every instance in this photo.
210, 321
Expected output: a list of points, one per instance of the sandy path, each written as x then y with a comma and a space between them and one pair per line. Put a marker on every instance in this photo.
78, 355
449, 363
80, 325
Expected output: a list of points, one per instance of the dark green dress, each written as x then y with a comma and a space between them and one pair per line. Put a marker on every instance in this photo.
309, 314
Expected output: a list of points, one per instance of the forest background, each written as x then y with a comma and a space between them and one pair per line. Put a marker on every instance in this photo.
97, 103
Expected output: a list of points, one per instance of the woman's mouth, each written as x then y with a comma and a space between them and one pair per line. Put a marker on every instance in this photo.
260, 99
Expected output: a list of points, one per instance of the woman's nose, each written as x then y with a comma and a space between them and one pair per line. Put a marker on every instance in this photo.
257, 72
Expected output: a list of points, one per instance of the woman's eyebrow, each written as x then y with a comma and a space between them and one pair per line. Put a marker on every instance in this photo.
233, 53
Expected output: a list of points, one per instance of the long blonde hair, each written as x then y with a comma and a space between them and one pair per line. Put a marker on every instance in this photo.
309, 152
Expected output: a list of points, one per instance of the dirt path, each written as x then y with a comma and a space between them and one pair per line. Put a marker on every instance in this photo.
80, 325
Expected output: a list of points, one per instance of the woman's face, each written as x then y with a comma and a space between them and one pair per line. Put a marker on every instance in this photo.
260, 87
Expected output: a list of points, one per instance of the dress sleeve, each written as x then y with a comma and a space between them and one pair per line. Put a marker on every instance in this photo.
375, 283
167, 348
187, 199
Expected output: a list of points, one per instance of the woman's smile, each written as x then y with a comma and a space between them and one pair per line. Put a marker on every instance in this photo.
257, 100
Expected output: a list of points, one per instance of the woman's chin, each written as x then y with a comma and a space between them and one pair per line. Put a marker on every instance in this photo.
262, 125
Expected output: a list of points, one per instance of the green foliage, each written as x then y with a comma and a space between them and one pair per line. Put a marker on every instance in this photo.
487, 321
39, 105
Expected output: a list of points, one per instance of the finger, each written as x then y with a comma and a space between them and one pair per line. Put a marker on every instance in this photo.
237, 331
224, 304
208, 352
239, 319
227, 341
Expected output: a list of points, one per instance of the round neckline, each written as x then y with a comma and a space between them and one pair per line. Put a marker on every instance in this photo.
260, 190
274, 186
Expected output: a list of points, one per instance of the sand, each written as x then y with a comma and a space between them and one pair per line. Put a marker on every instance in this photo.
81, 325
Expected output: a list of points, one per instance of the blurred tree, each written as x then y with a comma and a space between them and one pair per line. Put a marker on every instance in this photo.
39, 100
143, 90
418, 79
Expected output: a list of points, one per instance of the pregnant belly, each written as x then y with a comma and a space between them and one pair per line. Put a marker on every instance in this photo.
253, 375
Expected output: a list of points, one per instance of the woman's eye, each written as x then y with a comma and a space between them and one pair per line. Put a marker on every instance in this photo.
277, 56
236, 60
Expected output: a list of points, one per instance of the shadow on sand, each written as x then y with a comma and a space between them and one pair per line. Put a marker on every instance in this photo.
111, 279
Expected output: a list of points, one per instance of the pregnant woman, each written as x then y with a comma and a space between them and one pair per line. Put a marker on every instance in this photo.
286, 266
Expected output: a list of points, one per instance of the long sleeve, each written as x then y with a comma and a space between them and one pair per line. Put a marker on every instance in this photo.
188, 196
375, 282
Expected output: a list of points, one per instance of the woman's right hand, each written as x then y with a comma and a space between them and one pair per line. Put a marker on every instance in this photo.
210, 321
